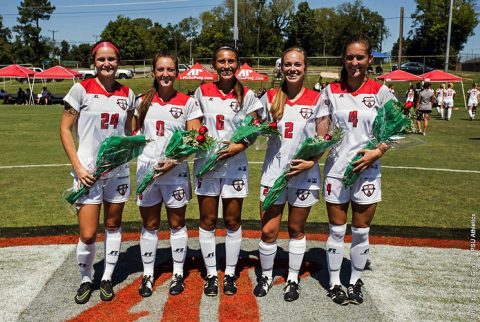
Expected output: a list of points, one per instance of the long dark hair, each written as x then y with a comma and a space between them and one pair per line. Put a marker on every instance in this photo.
360, 38
238, 89
150, 94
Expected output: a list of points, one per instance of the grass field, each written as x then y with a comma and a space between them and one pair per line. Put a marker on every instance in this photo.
32, 196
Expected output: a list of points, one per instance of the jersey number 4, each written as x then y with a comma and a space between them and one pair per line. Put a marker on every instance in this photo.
109, 119
353, 118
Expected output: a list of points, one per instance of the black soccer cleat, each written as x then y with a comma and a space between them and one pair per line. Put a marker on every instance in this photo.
106, 290
263, 286
291, 291
337, 294
83, 293
210, 288
177, 285
146, 289
355, 295
229, 285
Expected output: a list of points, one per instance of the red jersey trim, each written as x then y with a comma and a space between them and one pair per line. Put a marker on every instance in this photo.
308, 98
179, 99
370, 87
211, 90
93, 87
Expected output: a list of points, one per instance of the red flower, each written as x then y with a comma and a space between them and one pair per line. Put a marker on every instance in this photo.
201, 138
203, 129
273, 125
256, 122
327, 137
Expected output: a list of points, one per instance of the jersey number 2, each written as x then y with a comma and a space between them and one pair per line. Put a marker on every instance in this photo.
107, 120
288, 133
352, 117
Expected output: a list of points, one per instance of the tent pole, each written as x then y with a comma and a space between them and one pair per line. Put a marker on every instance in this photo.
464, 99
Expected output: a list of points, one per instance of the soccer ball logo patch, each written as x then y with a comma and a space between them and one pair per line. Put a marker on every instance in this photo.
176, 112
369, 101
235, 106
306, 112
122, 189
238, 184
368, 189
122, 103
303, 194
178, 194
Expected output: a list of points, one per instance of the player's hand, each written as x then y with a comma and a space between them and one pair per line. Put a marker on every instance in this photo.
163, 167
298, 166
369, 157
231, 150
85, 177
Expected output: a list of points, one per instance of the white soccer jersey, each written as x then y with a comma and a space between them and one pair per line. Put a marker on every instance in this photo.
440, 93
449, 93
297, 123
473, 96
354, 113
222, 116
101, 114
161, 121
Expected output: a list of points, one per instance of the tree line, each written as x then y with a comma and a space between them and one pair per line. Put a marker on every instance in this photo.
266, 28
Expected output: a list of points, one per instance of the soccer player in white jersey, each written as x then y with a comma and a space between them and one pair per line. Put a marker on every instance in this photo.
440, 94
352, 104
225, 104
473, 97
160, 112
295, 109
98, 108
448, 102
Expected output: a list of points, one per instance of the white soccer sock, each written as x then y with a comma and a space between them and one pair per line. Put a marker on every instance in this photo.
442, 112
296, 250
438, 109
85, 258
449, 113
207, 245
148, 250
113, 240
178, 243
335, 244
359, 252
233, 241
470, 113
267, 257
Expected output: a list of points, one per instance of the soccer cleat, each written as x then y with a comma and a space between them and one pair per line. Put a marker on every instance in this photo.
210, 288
229, 285
354, 292
146, 289
291, 291
83, 293
263, 286
177, 285
338, 295
106, 290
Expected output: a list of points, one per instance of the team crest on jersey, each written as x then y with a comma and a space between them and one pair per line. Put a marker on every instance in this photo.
368, 189
178, 194
303, 194
238, 184
176, 112
306, 112
235, 106
122, 189
369, 101
122, 103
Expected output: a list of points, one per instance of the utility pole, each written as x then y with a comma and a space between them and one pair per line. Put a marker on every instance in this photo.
400, 38
96, 37
235, 23
53, 40
448, 36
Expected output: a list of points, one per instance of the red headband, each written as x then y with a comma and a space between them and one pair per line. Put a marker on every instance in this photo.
106, 44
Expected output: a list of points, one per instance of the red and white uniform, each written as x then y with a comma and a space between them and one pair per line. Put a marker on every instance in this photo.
297, 124
222, 116
440, 94
473, 96
101, 114
448, 98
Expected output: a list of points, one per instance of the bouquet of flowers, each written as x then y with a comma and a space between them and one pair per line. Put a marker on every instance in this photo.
114, 151
181, 145
388, 124
309, 149
248, 131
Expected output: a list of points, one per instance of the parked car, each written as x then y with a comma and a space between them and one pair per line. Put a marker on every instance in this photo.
121, 73
183, 67
415, 68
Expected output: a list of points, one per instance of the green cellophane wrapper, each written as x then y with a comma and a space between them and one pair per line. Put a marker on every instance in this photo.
114, 152
308, 150
389, 123
248, 131
181, 145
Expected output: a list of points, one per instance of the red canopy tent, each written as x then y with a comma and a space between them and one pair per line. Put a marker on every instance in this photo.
197, 72
246, 73
17, 71
437, 76
399, 76
58, 72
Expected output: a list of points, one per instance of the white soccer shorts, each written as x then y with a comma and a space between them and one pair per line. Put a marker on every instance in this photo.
223, 187
115, 190
295, 196
363, 192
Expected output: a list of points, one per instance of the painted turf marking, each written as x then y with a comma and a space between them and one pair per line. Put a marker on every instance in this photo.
254, 162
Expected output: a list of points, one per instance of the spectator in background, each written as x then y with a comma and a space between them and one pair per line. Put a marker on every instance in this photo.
45, 96
21, 97
391, 89
378, 70
409, 100
448, 102
439, 95
473, 96
278, 68
28, 94
424, 107
416, 91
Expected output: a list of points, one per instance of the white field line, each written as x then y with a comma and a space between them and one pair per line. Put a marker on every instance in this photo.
254, 162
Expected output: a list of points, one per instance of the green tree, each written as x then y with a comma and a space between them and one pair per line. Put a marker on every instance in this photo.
5, 46
301, 30
81, 53
124, 33
64, 50
30, 12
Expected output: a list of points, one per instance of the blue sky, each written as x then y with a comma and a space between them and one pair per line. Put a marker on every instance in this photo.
82, 21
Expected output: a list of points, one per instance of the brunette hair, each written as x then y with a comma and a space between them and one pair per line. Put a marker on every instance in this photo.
278, 103
150, 94
238, 89
362, 39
